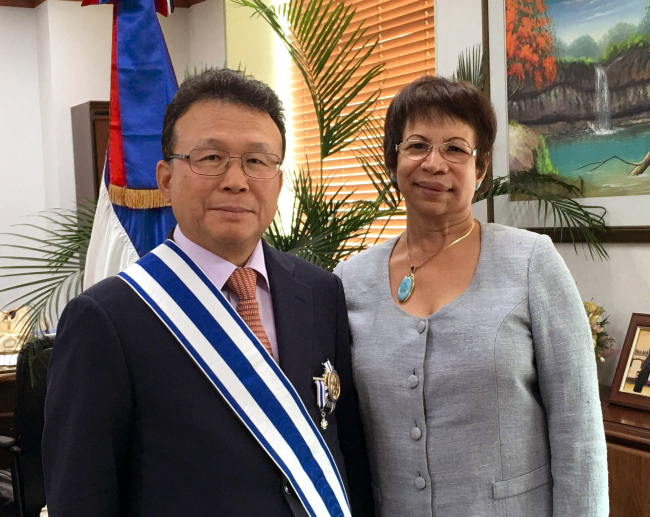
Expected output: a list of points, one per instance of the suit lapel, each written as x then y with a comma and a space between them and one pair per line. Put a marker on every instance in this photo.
293, 312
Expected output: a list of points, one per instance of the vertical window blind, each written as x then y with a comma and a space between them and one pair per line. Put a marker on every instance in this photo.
405, 33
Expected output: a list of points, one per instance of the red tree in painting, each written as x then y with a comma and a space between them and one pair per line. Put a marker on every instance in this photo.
529, 43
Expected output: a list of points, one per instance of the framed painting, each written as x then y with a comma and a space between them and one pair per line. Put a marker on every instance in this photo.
578, 106
631, 386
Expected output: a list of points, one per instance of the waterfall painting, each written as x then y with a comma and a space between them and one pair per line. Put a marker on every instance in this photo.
579, 92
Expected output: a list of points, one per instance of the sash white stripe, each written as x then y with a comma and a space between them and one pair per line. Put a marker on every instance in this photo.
232, 383
253, 354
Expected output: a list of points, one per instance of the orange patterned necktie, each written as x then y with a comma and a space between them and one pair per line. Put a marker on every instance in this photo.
242, 282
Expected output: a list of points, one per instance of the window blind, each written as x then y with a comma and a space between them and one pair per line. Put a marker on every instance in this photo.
406, 43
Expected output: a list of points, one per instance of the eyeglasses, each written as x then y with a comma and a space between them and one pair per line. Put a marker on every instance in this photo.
212, 162
454, 152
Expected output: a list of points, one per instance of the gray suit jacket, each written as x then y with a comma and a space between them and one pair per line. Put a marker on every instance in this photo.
488, 407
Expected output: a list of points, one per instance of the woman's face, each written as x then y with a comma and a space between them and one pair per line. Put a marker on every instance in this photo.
435, 186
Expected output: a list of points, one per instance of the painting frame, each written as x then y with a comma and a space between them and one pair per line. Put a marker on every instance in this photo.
620, 394
627, 219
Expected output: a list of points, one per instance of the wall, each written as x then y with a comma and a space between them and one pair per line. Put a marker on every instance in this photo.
22, 190
249, 43
207, 34
620, 284
459, 27
21, 145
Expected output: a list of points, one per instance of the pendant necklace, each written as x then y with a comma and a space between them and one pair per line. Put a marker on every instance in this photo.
407, 285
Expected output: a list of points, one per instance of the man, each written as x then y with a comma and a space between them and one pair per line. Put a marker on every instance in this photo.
161, 400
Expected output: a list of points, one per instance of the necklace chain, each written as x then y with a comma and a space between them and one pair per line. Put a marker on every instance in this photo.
408, 254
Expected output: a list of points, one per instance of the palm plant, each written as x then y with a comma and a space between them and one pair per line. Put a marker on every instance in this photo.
328, 226
47, 267
322, 223
312, 32
471, 67
555, 196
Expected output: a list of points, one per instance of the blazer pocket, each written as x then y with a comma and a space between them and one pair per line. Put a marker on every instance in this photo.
522, 484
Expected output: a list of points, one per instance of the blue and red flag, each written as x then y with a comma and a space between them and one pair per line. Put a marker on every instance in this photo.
132, 217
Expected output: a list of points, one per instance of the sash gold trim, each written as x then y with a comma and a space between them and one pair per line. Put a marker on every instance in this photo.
136, 198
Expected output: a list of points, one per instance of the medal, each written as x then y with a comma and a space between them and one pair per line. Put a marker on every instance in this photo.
328, 391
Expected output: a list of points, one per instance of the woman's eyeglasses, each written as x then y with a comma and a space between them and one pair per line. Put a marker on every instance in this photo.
454, 152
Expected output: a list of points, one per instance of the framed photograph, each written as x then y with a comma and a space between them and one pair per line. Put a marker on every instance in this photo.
631, 386
575, 108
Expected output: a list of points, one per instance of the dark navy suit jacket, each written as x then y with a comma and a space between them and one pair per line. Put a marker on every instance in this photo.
133, 428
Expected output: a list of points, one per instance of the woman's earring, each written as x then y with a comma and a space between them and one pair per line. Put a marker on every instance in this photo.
478, 185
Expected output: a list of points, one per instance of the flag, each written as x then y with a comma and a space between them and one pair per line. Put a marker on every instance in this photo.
131, 217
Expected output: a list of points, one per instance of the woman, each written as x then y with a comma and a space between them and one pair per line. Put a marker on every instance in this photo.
472, 352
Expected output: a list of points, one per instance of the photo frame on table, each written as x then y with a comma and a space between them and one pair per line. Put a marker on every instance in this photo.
631, 386
570, 109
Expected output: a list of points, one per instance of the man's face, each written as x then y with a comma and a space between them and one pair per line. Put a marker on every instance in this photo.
227, 214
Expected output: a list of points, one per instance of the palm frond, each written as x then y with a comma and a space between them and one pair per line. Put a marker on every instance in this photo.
369, 154
471, 67
326, 227
555, 198
45, 268
312, 31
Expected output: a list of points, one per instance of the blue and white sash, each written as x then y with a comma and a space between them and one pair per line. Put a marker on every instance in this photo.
242, 371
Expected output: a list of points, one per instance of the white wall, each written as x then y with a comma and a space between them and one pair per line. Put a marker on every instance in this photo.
620, 284
22, 190
207, 34
458, 27
21, 146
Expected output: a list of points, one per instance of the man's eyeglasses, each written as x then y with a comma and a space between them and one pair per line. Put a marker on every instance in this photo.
212, 162
454, 152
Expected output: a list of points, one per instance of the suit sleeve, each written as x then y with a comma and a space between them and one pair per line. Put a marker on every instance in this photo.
568, 385
348, 420
87, 415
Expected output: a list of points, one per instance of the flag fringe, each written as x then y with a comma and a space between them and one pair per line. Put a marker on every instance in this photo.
136, 198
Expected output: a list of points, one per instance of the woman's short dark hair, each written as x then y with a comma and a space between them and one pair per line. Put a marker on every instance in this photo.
225, 85
436, 96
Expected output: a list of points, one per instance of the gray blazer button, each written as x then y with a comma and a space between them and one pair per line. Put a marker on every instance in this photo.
422, 326
412, 381
287, 490
416, 434
420, 483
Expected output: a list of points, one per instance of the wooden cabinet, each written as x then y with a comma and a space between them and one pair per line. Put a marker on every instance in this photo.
627, 431
90, 128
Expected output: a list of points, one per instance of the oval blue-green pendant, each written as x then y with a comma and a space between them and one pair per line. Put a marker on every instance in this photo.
405, 288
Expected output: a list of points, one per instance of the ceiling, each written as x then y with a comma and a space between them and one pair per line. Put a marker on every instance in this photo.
34, 3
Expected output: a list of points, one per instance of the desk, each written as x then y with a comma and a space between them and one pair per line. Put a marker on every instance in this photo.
627, 432
7, 403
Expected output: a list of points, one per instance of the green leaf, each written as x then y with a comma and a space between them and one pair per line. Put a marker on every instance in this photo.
554, 196
312, 31
325, 228
471, 67
50, 271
